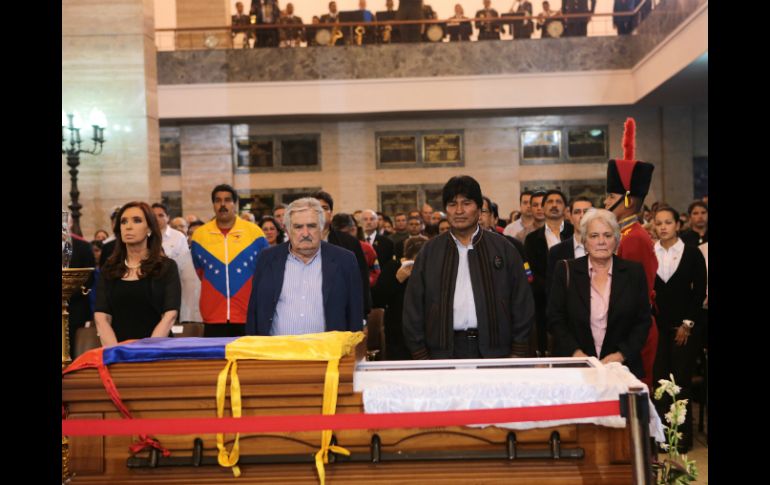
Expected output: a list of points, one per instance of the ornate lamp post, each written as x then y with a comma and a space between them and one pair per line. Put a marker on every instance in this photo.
71, 123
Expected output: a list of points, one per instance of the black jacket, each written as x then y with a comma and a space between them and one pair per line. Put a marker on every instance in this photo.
424, 302
385, 249
79, 306
537, 251
352, 244
563, 250
681, 297
628, 322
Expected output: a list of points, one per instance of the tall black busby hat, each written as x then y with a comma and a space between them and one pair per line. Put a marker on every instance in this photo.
629, 177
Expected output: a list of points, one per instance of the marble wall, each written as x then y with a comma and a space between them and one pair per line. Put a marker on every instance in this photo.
109, 63
349, 169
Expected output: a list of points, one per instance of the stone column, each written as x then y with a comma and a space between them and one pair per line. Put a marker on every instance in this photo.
109, 63
677, 139
207, 161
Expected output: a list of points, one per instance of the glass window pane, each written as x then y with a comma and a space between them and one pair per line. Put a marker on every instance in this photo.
393, 201
170, 153
435, 199
300, 152
541, 144
173, 201
587, 143
253, 152
397, 149
259, 204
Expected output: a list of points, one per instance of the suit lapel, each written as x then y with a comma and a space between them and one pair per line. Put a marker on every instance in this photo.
279, 268
617, 287
582, 281
328, 269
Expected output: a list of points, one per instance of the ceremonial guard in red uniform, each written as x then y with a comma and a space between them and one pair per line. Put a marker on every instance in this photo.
628, 182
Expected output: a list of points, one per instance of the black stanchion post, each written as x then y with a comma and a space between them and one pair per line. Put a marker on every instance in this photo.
634, 406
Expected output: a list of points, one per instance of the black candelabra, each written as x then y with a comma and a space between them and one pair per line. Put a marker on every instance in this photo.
73, 158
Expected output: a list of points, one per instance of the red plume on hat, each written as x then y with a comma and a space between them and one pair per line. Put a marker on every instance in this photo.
626, 166
629, 176
629, 139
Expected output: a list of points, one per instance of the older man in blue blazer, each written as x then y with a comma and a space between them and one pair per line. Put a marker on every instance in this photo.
305, 285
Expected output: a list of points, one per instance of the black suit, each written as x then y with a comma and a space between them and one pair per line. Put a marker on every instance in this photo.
79, 307
680, 298
352, 244
692, 238
488, 30
384, 247
518, 28
389, 294
106, 252
563, 250
266, 37
577, 26
537, 250
628, 320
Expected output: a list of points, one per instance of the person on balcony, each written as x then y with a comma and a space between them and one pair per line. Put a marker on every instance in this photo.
488, 30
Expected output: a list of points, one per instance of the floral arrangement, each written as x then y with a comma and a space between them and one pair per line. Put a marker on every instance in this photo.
675, 468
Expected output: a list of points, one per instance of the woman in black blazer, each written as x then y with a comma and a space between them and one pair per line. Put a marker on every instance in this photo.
680, 288
138, 293
598, 304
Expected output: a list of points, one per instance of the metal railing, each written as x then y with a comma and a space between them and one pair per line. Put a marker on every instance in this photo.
284, 34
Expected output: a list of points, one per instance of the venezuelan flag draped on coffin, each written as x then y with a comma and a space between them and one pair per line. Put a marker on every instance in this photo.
305, 375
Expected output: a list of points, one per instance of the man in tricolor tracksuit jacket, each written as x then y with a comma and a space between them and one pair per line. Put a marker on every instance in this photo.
225, 252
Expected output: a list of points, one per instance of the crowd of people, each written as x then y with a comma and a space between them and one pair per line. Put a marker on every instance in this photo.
519, 21
619, 282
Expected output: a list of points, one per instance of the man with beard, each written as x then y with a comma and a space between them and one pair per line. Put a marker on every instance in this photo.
225, 251
467, 296
570, 248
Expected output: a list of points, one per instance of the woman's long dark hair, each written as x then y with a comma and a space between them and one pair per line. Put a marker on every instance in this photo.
115, 266
279, 237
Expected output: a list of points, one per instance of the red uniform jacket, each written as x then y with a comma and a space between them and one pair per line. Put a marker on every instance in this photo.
636, 245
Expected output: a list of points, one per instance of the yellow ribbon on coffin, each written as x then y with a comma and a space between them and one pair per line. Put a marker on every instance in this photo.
326, 346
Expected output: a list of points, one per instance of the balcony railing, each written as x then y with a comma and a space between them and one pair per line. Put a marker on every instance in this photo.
360, 33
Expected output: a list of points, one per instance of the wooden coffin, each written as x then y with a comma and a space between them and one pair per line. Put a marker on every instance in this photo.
187, 389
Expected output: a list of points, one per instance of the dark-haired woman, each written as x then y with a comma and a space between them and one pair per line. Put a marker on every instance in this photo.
273, 232
138, 293
680, 288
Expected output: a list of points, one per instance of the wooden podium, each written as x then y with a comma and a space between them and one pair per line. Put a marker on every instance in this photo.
445, 455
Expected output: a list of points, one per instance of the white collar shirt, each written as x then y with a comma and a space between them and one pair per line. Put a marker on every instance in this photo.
464, 307
580, 250
551, 238
668, 259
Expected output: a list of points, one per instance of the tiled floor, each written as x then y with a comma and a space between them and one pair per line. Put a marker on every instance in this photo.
700, 450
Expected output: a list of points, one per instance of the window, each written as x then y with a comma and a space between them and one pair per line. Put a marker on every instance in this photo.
170, 153
261, 202
419, 149
172, 200
579, 144
405, 198
262, 153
